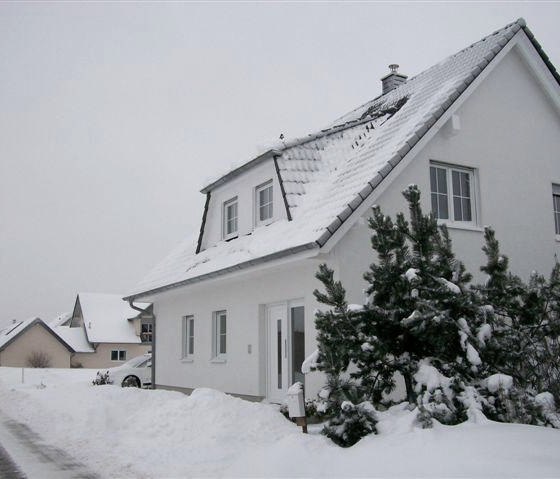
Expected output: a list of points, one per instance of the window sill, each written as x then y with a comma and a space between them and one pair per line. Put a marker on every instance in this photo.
218, 360
264, 223
187, 360
461, 226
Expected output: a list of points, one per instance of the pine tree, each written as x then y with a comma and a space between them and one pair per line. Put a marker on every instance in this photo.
421, 310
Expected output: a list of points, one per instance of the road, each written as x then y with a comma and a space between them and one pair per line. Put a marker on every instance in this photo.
25, 455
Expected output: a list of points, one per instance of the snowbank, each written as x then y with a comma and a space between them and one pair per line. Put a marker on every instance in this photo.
139, 433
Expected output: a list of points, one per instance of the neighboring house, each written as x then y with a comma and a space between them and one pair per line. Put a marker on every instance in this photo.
105, 331
20, 340
479, 133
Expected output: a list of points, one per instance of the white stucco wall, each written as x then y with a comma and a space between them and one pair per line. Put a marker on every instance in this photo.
242, 186
510, 136
243, 297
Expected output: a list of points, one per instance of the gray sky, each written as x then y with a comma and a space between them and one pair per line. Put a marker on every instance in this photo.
112, 116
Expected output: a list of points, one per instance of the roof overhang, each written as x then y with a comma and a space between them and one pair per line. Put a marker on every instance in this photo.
224, 271
237, 171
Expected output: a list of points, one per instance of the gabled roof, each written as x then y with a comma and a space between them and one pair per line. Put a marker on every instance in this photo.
75, 337
106, 318
327, 175
11, 331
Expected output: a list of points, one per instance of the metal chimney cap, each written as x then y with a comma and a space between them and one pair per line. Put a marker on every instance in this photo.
393, 67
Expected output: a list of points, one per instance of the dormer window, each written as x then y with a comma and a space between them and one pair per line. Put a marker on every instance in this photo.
263, 200
230, 219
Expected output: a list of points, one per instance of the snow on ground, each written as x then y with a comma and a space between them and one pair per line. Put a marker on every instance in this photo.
140, 433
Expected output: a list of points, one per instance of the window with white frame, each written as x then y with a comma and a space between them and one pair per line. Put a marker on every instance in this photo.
219, 348
556, 207
118, 355
264, 203
230, 218
187, 337
452, 193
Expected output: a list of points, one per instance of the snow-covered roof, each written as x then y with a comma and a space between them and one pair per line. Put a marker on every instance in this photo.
106, 318
327, 175
60, 319
75, 337
11, 330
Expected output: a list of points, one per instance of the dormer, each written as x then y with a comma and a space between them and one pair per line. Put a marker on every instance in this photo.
241, 201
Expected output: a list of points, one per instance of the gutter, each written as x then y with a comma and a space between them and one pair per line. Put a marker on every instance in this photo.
153, 369
223, 271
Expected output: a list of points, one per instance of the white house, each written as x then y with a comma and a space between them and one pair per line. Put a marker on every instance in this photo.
104, 331
478, 132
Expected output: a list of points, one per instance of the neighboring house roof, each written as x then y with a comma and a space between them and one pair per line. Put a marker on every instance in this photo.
106, 318
60, 320
11, 332
326, 176
75, 337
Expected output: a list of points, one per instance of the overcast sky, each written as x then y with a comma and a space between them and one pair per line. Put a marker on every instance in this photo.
113, 116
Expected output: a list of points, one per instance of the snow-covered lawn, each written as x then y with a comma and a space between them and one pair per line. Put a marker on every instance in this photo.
139, 433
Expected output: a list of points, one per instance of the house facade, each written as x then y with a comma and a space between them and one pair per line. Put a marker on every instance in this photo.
20, 341
105, 331
479, 133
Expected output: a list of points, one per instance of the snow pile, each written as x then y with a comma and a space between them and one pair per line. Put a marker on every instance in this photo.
131, 433
498, 382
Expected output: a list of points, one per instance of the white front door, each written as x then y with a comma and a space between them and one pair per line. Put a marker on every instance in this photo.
277, 325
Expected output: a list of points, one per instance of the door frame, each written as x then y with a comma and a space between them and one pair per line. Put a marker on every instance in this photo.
287, 345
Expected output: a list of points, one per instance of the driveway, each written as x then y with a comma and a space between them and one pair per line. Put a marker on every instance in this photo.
24, 454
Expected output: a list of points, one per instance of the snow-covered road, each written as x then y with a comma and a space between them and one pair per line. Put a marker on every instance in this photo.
24, 454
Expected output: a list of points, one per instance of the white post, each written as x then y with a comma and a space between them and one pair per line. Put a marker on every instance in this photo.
22, 375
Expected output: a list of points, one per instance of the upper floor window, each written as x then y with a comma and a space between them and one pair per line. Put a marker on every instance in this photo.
146, 332
452, 193
230, 218
556, 206
263, 199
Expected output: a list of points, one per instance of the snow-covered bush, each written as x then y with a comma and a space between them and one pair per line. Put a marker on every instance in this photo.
101, 379
351, 423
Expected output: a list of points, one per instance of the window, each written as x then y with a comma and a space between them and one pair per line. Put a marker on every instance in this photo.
452, 193
219, 326
118, 355
556, 207
188, 337
146, 332
230, 219
263, 200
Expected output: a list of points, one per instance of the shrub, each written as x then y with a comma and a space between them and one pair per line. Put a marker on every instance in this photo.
101, 379
39, 359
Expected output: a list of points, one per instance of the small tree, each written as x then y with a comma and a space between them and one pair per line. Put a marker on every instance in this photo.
420, 311
39, 359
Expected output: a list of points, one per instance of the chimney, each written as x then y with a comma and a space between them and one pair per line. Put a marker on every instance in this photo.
393, 79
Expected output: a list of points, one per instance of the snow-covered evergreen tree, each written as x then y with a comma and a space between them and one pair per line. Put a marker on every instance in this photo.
421, 312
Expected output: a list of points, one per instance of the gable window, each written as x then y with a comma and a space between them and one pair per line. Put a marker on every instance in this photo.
230, 219
219, 348
263, 200
556, 207
188, 337
146, 332
118, 355
452, 193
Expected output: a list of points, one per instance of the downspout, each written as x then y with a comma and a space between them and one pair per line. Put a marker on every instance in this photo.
153, 372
